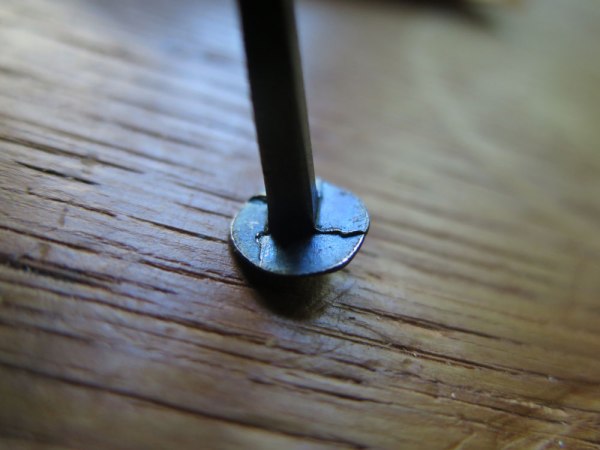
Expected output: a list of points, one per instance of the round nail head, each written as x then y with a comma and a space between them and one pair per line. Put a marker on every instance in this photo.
341, 225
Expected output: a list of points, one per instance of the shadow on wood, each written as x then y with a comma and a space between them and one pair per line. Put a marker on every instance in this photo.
470, 13
301, 299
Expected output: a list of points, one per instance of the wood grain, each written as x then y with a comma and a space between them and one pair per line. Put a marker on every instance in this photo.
470, 319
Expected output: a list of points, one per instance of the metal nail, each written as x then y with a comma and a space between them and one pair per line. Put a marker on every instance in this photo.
302, 226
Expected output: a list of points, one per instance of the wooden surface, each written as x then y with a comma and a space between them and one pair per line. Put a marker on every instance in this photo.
470, 319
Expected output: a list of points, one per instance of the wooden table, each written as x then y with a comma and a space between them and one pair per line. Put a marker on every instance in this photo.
471, 317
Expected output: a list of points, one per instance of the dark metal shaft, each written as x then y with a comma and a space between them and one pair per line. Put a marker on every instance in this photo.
278, 98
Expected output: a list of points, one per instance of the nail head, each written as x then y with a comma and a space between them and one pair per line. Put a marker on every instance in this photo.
342, 223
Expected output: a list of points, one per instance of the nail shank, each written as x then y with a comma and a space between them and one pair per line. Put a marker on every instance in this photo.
278, 98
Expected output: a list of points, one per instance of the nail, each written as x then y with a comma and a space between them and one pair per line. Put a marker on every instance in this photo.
280, 115
302, 226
